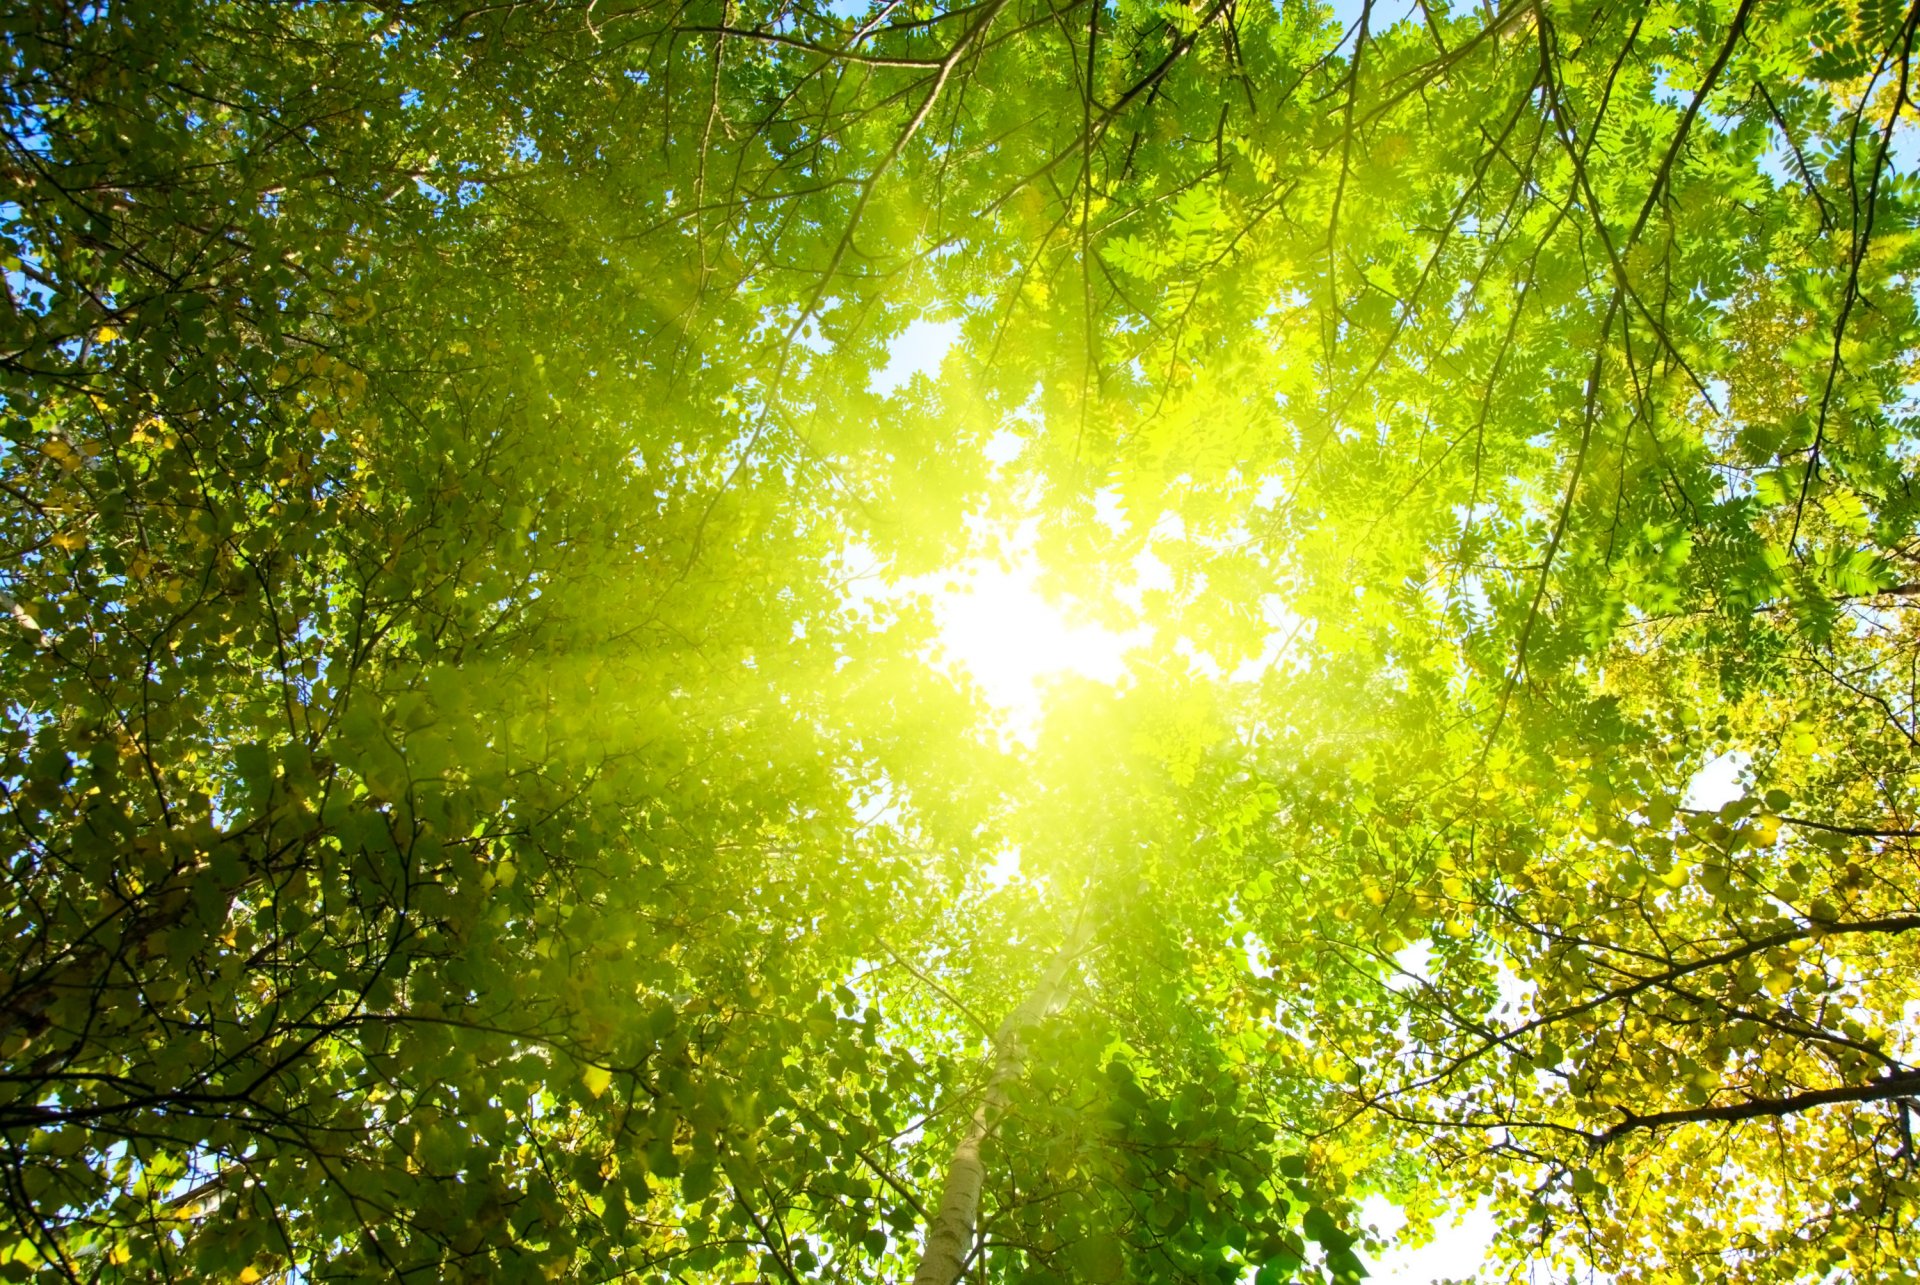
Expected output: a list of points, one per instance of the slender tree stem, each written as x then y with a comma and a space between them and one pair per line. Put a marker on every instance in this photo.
949, 1243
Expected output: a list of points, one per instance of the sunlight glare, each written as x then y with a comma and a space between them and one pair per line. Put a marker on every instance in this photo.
1457, 1251
1717, 783
996, 623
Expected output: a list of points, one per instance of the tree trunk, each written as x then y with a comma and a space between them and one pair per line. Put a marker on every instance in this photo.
950, 1230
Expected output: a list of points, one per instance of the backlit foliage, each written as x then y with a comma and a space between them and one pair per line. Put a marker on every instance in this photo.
466, 816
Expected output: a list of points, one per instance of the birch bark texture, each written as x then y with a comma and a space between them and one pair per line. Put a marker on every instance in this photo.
950, 1231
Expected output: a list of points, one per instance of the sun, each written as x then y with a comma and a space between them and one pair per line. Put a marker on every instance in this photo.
996, 624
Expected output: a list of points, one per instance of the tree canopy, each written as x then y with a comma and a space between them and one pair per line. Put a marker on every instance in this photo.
482, 797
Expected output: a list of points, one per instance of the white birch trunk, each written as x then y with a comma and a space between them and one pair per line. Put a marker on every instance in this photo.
949, 1242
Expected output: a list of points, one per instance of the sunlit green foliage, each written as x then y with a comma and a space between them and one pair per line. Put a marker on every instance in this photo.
465, 818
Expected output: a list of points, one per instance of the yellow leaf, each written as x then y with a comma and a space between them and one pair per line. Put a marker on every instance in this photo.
596, 1078
62, 454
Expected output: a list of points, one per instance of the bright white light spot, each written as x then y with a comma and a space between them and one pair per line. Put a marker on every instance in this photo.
1004, 870
994, 623
1150, 575
1456, 1252
1903, 1040
1415, 961
997, 624
917, 350
863, 578
1717, 783
1004, 446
